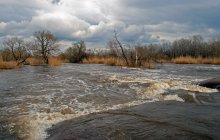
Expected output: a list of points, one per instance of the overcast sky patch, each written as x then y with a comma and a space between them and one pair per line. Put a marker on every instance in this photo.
142, 21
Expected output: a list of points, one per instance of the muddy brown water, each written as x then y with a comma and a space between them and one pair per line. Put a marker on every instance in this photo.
43, 102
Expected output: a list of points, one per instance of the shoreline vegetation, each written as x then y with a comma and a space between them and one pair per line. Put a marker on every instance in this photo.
179, 60
114, 61
197, 60
52, 61
44, 50
111, 61
8, 65
30, 61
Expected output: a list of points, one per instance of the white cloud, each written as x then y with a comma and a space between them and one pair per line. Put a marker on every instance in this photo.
2, 25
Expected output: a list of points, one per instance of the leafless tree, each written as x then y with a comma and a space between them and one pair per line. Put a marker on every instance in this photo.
121, 47
45, 44
18, 48
117, 49
140, 55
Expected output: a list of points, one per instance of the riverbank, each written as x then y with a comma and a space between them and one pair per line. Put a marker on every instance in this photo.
197, 60
113, 61
8, 65
53, 61
116, 61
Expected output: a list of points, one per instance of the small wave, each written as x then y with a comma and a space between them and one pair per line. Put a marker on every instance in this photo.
156, 88
173, 97
34, 125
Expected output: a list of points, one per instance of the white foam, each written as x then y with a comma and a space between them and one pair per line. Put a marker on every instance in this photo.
157, 87
34, 125
173, 97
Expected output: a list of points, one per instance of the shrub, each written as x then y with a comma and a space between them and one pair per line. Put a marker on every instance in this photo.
76, 53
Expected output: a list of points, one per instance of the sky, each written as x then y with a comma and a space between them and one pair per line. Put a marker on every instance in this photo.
94, 21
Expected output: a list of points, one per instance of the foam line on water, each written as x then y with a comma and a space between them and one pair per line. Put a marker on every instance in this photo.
34, 125
157, 87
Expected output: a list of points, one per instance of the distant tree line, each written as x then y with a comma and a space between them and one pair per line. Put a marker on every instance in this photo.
42, 46
19, 49
194, 46
138, 55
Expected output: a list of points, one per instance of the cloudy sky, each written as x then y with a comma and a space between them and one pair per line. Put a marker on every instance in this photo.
148, 21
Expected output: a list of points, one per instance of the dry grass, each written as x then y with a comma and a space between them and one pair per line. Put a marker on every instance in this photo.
198, 60
163, 61
54, 61
8, 65
1, 59
149, 65
184, 60
215, 61
113, 61
35, 61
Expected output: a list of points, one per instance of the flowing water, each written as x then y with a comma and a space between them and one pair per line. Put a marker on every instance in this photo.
33, 99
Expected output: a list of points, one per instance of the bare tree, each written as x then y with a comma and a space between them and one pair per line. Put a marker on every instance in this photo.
18, 48
121, 47
117, 49
141, 55
45, 44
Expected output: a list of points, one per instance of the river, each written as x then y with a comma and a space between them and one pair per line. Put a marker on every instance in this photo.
33, 99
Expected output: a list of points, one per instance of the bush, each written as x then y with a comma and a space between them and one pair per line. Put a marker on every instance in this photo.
76, 53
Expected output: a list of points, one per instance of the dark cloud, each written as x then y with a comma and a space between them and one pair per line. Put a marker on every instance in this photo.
95, 20
56, 1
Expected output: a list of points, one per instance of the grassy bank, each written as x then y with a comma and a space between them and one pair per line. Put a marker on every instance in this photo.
34, 61
198, 60
53, 61
8, 65
113, 61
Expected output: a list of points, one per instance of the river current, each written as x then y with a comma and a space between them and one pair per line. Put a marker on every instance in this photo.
33, 99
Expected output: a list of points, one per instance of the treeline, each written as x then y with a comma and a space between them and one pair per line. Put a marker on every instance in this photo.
43, 48
18, 49
147, 55
194, 46
120, 54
